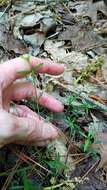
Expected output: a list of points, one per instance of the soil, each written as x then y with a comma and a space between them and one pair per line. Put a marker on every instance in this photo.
75, 24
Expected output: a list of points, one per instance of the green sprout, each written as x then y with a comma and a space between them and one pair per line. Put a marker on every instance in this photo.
88, 140
89, 70
33, 74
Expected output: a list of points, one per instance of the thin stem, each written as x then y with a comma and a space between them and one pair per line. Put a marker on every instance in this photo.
34, 79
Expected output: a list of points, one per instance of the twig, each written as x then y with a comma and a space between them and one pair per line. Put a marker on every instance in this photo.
79, 160
55, 186
5, 9
93, 47
90, 169
67, 9
97, 105
25, 157
53, 35
67, 182
9, 178
100, 83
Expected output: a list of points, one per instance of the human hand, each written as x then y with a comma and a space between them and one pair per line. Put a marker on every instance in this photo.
20, 124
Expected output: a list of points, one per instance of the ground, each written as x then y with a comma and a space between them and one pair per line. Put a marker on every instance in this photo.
73, 33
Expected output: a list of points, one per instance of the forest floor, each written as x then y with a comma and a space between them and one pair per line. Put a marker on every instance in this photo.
73, 33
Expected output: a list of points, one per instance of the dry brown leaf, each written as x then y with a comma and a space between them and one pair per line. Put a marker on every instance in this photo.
103, 30
8, 42
58, 147
104, 70
102, 150
100, 141
57, 51
88, 8
97, 98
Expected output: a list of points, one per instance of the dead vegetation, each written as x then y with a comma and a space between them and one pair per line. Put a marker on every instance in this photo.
73, 33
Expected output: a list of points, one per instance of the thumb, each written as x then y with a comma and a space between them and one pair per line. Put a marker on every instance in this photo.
32, 128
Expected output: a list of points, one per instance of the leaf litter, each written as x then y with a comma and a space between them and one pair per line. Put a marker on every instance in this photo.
72, 33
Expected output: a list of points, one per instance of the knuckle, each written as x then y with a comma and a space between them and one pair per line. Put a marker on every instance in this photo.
35, 131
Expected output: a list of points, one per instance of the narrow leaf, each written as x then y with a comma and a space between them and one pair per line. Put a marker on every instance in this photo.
27, 72
24, 72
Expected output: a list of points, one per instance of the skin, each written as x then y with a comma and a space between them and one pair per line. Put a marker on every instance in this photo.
20, 124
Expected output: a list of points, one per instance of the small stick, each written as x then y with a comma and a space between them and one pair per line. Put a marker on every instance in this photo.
9, 178
90, 169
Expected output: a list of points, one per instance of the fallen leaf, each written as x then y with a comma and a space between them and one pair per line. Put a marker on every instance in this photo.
85, 39
100, 142
88, 8
103, 29
3, 55
57, 51
34, 42
102, 150
58, 147
104, 70
97, 98
8, 42
30, 20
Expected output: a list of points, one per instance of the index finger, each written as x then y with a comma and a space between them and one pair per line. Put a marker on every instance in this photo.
9, 70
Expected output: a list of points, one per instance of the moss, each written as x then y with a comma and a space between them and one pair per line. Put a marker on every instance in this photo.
4, 2
90, 69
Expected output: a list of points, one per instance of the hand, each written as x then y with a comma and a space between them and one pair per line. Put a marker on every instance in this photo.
20, 124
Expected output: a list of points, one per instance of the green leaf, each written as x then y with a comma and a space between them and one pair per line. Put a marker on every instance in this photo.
24, 72
25, 181
38, 67
28, 72
83, 134
86, 145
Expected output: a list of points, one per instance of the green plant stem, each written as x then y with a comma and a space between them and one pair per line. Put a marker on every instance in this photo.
58, 185
54, 186
34, 85
67, 182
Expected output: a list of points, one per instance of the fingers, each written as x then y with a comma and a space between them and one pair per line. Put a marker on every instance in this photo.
51, 103
22, 111
1, 99
23, 125
9, 70
25, 90
32, 128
